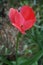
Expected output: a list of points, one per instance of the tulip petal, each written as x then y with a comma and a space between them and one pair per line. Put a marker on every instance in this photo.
27, 12
19, 19
19, 22
16, 19
11, 15
28, 24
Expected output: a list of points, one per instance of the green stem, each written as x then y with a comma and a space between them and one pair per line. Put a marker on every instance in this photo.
17, 51
19, 35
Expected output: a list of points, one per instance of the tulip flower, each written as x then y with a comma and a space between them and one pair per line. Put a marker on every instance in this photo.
24, 19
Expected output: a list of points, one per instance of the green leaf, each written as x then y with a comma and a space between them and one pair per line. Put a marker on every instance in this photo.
33, 60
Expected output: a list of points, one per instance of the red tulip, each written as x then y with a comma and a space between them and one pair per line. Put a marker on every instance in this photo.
22, 20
